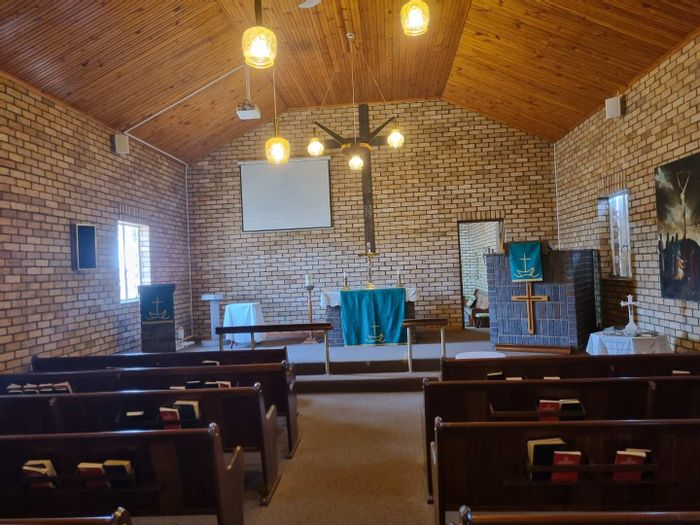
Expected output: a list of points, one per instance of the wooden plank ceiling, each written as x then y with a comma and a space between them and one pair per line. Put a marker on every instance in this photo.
538, 65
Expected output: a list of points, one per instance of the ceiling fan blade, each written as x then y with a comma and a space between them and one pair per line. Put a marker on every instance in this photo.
308, 4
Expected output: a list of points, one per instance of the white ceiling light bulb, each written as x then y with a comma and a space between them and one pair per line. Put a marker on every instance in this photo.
315, 147
356, 163
415, 16
395, 139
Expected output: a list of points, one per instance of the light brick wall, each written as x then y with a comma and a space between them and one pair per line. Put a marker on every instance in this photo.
602, 156
56, 167
455, 165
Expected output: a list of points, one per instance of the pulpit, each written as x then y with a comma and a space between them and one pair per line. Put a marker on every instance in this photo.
157, 317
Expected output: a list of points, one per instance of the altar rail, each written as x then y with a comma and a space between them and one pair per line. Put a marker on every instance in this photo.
118, 517
266, 328
410, 324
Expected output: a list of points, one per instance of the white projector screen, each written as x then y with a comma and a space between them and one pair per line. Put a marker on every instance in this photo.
292, 196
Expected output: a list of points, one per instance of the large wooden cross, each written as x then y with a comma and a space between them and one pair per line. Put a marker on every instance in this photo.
530, 300
361, 145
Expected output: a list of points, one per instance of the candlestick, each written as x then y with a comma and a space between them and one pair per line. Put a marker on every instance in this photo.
345, 281
308, 280
309, 304
399, 280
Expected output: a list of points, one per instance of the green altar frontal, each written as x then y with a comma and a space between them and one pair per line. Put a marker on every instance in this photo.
373, 317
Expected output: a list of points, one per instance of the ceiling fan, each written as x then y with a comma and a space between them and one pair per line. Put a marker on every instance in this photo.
308, 4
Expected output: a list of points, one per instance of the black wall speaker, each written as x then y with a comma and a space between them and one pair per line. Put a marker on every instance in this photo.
83, 246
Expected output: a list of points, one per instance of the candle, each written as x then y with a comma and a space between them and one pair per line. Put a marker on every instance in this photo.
345, 275
308, 280
369, 248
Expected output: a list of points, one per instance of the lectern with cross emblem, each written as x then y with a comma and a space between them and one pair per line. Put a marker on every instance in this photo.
530, 299
526, 266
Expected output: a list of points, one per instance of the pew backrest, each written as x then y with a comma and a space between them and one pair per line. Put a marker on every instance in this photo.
467, 517
537, 367
485, 464
118, 517
175, 472
148, 360
670, 397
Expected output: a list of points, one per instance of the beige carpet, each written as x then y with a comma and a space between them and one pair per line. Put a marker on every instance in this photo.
359, 463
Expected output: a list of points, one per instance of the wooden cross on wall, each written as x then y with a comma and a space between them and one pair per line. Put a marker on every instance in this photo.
530, 300
361, 146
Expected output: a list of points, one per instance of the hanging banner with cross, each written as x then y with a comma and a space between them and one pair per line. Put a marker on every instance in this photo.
525, 262
526, 267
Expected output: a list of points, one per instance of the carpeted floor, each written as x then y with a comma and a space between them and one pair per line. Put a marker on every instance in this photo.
359, 463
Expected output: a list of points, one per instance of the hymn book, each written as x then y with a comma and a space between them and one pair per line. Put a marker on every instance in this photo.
118, 472
211, 362
548, 405
540, 452
629, 457
187, 409
569, 458
494, 375
170, 418
93, 474
36, 469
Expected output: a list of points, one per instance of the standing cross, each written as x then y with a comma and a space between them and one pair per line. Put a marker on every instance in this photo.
631, 328
530, 300
370, 255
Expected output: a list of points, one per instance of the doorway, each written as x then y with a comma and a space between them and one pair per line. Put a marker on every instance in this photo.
476, 239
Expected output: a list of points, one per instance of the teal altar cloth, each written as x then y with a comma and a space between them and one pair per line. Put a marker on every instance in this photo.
373, 317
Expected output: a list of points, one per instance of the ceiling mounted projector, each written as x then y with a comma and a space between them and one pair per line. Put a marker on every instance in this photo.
246, 110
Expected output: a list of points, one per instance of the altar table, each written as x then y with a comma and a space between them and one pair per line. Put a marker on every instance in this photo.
612, 343
244, 314
373, 317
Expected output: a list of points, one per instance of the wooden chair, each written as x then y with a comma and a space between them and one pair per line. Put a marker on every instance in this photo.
467, 517
118, 517
239, 413
277, 379
486, 464
175, 473
140, 360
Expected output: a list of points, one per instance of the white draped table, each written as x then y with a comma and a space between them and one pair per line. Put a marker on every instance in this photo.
611, 343
244, 314
332, 297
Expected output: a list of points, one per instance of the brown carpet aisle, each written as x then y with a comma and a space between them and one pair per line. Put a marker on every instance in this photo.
359, 462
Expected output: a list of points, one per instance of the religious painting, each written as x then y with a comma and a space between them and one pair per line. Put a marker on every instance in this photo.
678, 216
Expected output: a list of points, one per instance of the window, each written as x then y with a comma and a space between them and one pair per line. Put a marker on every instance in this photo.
620, 234
134, 260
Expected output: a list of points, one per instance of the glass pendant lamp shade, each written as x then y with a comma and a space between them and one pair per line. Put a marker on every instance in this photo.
415, 16
277, 150
259, 47
395, 139
315, 147
356, 163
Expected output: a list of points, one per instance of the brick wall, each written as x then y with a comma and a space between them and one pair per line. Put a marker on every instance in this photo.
56, 168
455, 166
476, 238
602, 156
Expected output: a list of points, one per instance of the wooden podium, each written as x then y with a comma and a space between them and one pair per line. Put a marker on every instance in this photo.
157, 317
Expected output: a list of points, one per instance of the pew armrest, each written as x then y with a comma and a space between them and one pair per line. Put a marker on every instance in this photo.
269, 455
231, 503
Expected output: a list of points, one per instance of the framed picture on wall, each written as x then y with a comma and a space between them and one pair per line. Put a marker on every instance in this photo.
678, 218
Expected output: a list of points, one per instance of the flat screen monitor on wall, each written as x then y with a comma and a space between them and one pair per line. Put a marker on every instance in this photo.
83, 247
293, 196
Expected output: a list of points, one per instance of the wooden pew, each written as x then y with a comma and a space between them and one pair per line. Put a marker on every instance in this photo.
239, 413
140, 360
536, 367
118, 517
485, 464
277, 380
467, 517
176, 473
670, 397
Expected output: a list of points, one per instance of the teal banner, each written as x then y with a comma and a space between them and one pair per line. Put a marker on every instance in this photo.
525, 261
373, 317
157, 303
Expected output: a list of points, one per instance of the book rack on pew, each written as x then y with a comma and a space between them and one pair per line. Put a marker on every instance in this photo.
118, 517
467, 517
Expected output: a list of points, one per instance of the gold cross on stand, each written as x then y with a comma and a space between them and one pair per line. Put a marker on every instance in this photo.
530, 300
370, 255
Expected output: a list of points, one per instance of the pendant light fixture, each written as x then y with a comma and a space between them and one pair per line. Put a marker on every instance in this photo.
277, 148
356, 163
415, 16
315, 147
395, 139
259, 43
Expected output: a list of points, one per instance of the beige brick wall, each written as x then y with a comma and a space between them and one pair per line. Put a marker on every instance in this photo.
602, 156
56, 168
456, 165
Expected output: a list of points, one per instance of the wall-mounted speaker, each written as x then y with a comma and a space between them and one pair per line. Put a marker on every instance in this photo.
614, 107
120, 144
83, 246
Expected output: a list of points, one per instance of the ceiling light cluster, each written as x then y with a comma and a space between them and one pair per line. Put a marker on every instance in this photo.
260, 50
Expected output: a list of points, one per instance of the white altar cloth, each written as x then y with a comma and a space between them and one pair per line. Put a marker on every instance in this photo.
332, 297
611, 343
244, 314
